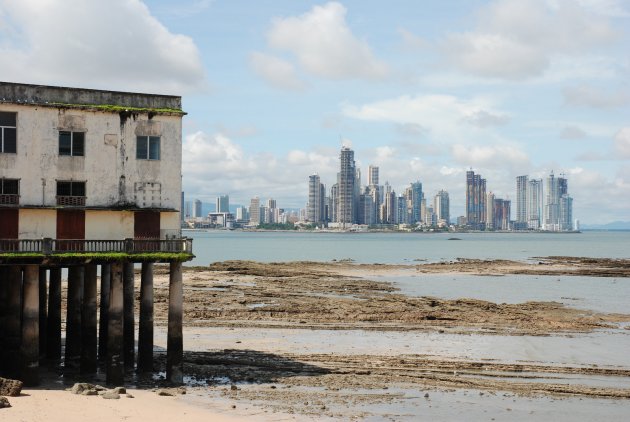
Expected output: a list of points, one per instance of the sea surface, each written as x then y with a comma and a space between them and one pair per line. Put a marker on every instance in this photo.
400, 248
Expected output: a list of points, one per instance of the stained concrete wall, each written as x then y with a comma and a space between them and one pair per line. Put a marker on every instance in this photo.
113, 175
108, 225
36, 224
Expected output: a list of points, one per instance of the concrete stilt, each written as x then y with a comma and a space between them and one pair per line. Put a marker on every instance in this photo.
104, 312
29, 348
13, 321
115, 369
89, 321
4, 301
73, 319
174, 343
145, 337
53, 326
128, 316
43, 314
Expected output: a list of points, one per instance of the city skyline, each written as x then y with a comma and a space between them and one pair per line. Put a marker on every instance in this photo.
425, 92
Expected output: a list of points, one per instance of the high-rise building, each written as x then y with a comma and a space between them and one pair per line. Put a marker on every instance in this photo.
522, 184
366, 209
558, 205
413, 203
182, 214
441, 207
316, 200
334, 202
242, 214
490, 212
346, 180
373, 176
534, 203
475, 200
254, 211
223, 203
197, 209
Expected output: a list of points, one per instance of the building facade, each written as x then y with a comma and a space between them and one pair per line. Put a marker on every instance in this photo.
475, 200
222, 203
346, 180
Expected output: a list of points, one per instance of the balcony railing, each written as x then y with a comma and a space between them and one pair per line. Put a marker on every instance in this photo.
71, 201
9, 199
49, 246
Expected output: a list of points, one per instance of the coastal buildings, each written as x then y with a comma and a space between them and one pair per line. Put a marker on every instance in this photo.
441, 207
522, 184
558, 213
346, 180
89, 179
254, 211
197, 211
534, 203
316, 200
475, 200
222, 204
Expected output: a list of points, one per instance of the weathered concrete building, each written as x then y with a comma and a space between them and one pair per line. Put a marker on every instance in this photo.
87, 178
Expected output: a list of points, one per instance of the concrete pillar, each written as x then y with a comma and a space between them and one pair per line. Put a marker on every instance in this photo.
145, 337
13, 321
73, 319
4, 303
128, 316
89, 321
115, 369
104, 312
174, 342
43, 314
53, 325
29, 347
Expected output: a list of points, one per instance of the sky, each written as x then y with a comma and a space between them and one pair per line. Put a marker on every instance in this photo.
425, 90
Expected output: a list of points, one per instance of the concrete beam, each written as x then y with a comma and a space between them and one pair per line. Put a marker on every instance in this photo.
104, 312
174, 342
89, 321
53, 326
115, 367
145, 337
43, 313
128, 316
73, 320
29, 347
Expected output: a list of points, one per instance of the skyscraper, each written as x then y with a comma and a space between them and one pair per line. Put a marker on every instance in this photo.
490, 210
182, 215
223, 203
316, 199
254, 211
197, 209
373, 175
441, 207
346, 179
558, 205
414, 202
534, 203
475, 200
521, 201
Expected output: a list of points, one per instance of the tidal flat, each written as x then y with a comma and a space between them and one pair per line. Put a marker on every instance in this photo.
340, 340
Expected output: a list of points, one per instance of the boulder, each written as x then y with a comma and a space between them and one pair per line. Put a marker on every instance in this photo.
110, 395
9, 387
4, 402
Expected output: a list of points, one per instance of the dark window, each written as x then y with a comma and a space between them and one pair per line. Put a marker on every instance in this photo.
72, 143
9, 186
70, 188
8, 132
148, 147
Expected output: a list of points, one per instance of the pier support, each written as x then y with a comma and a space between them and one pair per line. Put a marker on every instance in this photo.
13, 323
128, 317
104, 312
53, 324
145, 337
89, 321
29, 347
115, 369
43, 314
175, 345
73, 319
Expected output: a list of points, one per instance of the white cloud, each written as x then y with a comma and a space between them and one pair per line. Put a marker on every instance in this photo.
494, 156
279, 73
622, 143
573, 132
444, 117
589, 96
113, 44
324, 45
515, 40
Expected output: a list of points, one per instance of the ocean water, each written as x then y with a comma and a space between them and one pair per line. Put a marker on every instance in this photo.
398, 248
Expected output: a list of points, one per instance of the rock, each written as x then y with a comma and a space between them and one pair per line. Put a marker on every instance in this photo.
110, 395
4, 402
90, 392
120, 390
130, 396
9, 387
81, 387
426, 395
165, 392
233, 387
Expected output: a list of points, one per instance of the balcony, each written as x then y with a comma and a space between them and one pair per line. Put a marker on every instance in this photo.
9, 199
71, 201
129, 249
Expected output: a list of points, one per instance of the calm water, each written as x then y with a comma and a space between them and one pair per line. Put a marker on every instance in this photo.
215, 246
